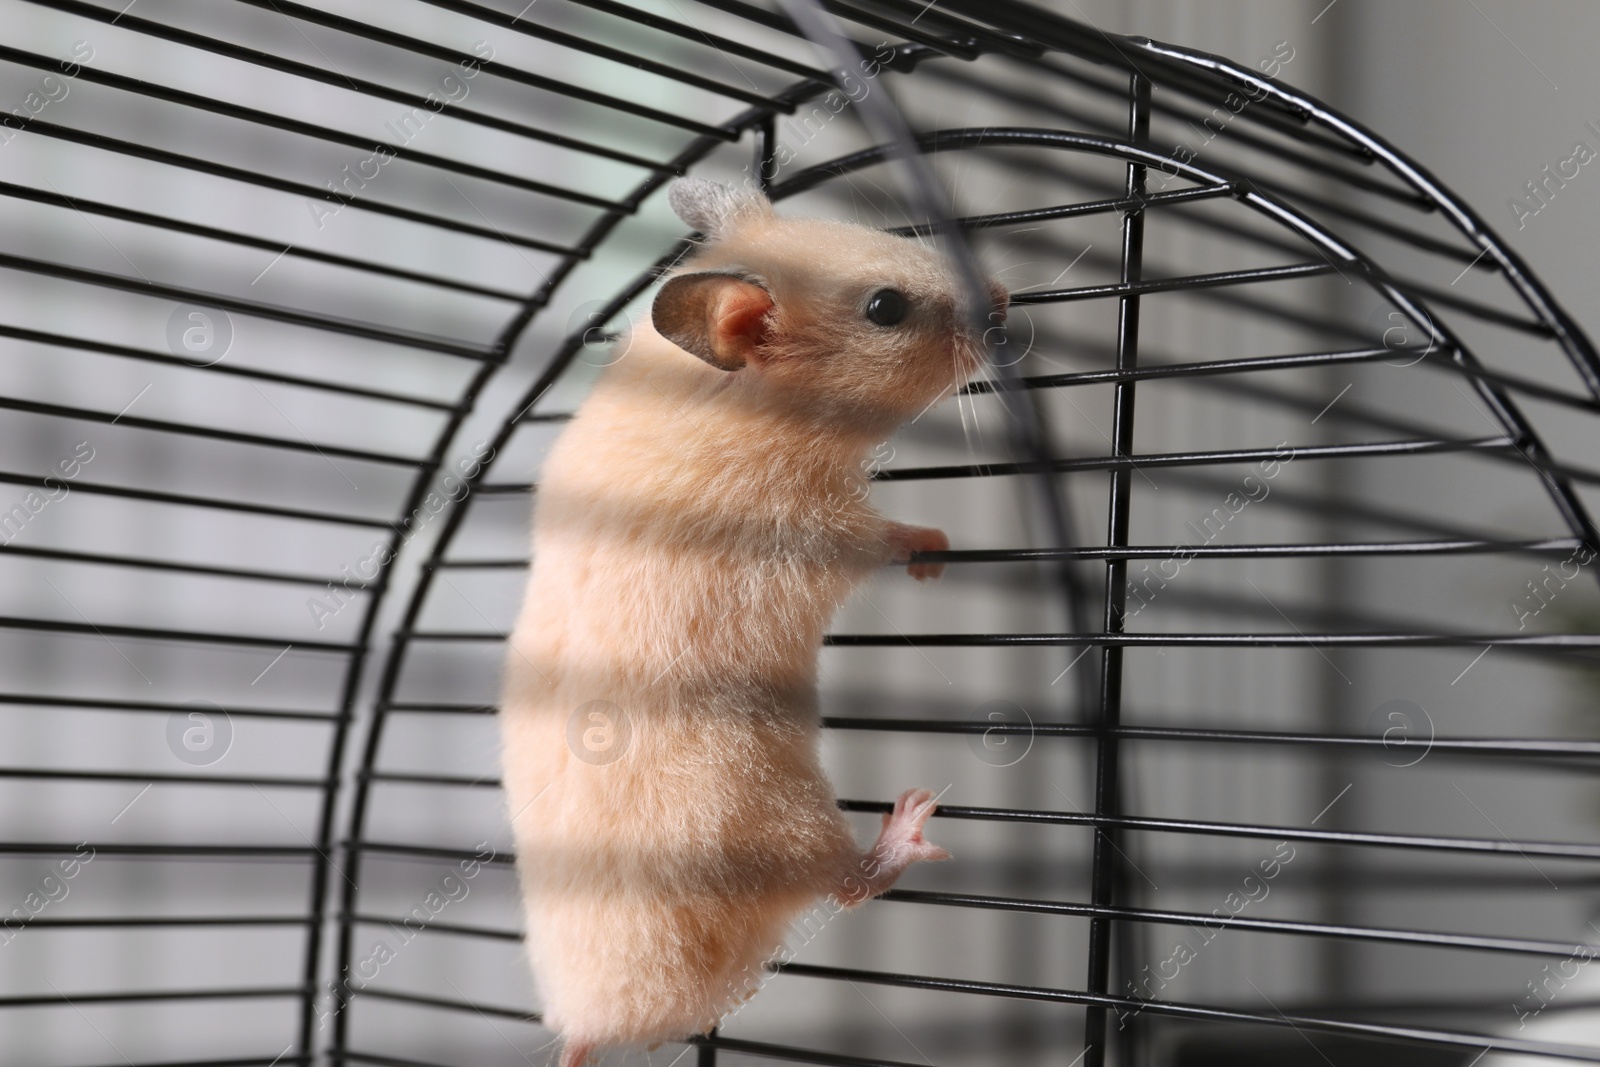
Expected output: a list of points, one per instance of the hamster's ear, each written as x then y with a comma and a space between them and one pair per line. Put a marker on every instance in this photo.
722, 318
713, 208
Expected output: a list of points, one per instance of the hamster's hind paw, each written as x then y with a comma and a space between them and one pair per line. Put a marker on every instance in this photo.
902, 828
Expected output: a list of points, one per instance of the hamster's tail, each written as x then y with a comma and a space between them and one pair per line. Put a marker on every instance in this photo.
576, 1053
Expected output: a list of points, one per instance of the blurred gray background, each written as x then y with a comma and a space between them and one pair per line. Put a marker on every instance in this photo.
1485, 93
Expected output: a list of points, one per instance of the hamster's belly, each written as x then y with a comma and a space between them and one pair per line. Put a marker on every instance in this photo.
659, 881
670, 812
645, 795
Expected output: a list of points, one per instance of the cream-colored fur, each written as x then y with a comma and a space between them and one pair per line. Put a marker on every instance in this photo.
695, 531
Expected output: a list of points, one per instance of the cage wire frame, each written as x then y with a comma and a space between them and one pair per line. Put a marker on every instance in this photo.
1150, 78
1107, 729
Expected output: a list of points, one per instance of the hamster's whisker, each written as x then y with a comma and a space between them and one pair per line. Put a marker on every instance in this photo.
886, 194
870, 203
1016, 266
551, 1045
955, 187
999, 190
966, 430
977, 423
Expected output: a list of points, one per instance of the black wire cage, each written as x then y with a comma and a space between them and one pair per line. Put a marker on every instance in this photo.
1290, 764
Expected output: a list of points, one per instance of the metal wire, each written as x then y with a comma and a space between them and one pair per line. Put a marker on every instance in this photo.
1364, 186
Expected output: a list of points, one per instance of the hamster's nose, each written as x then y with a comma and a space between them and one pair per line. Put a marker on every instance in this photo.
1001, 298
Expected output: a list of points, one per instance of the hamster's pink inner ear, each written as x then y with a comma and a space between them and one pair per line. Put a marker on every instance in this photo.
718, 317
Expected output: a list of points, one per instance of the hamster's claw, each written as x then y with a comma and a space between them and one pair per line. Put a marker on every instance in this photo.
903, 826
904, 540
899, 845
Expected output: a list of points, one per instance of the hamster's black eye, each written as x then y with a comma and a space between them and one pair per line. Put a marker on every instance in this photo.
886, 308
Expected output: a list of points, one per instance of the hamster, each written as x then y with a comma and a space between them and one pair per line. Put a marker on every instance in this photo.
697, 524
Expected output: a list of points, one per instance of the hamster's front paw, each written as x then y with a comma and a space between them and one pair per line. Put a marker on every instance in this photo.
904, 540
